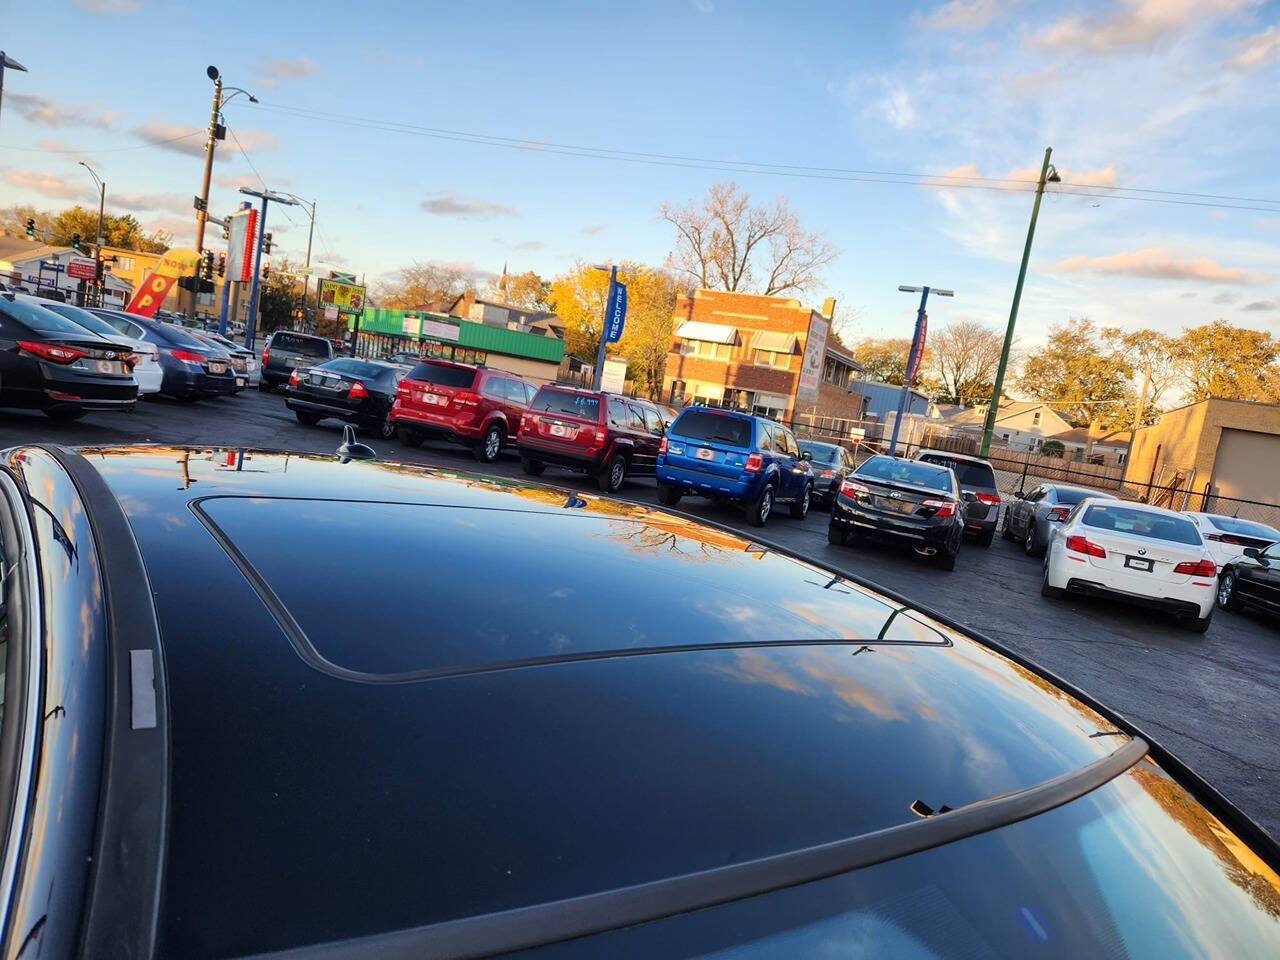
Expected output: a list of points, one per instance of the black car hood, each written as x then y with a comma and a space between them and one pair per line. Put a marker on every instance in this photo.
401, 696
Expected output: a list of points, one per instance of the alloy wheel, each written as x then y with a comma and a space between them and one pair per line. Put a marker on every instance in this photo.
766, 503
615, 474
492, 442
1224, 589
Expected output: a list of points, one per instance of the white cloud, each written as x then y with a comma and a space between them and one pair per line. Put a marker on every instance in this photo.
1256, 50
270, 74
49, 113
50, 185
703, 6
253, 140
592, 229
178, 137
449, 204
1131, 24
1159, 263
1261, 305
896, 107
529, 245
238, 180
178, 203
109, 7
962, 15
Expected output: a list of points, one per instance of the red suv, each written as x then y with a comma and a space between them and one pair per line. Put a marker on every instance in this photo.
461, 402
601, 434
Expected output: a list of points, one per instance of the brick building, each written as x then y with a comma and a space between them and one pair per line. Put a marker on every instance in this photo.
746, 351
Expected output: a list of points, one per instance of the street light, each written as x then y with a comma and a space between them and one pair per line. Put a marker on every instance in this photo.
916, 353
1048, 174
8, 62
102, 203
265, 196
310, 207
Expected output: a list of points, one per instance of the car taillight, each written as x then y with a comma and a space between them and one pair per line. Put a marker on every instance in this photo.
600, 438
266, 353
662, 447
1057, 514
1081, 545
754, 462
1204, 568
130, 360
187, 356
465, 398
293, 378
941, 508
51, 352
990, 498
357, 391
852, 488
827, 473
1223, 538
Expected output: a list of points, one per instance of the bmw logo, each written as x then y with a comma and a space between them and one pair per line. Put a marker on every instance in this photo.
1142, 551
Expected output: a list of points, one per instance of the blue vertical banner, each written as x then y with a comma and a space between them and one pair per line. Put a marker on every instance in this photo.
616, 313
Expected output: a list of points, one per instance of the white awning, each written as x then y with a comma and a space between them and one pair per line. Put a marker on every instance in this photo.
710, 332
775, 342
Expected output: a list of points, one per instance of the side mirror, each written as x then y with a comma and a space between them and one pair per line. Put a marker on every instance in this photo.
1252, 553
1020, 494
806, 455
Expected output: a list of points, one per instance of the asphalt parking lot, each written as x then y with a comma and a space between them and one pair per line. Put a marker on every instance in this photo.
1214, 699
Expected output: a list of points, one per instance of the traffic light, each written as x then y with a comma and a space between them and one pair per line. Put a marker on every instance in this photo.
75, 240
208, 265
31, 227
266, 243
226, 230
266, 270
222, 264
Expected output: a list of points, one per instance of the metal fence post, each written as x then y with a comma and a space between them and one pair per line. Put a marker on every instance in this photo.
1026, 462
1204, 497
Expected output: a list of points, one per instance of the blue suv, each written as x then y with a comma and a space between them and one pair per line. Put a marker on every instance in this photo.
735, 457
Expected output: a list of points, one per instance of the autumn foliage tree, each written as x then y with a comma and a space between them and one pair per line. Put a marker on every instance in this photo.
59, 228
527, 290
1219, 359
1082, 374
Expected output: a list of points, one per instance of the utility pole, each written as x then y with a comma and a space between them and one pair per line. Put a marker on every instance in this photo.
202, 211
100, 269
993, 410
915, 356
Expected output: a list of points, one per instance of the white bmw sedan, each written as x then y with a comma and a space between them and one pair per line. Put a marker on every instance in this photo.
1129, 551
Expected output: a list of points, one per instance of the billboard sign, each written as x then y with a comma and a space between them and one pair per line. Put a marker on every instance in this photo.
347, 297
613, 377
815, 349
82, 268
438, 330
243, 234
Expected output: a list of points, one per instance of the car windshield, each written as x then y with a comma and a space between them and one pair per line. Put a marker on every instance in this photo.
307, 346
84, 318
186, 338
821, 452
968, 473
43, 319
1142, 523
443, 374
715, 427
566, 402
914, 472
1244, 528
356, 368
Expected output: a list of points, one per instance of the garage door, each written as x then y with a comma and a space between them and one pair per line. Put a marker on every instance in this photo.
1247, 465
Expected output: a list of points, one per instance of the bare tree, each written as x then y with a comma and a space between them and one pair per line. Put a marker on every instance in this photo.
419, 284
725, 243
964, 355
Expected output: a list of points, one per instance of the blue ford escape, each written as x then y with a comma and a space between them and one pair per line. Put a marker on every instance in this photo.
734, 457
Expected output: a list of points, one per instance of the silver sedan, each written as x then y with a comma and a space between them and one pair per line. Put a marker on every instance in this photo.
1032, 516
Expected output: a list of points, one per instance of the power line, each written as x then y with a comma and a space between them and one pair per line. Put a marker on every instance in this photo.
942, 181
284, 209
93, 150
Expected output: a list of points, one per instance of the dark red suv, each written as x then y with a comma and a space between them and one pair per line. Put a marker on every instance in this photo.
477, 406
601, 434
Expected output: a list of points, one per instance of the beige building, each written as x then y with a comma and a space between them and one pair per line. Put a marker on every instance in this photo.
1231, 445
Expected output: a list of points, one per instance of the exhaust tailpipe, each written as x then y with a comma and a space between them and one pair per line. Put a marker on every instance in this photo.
926, 551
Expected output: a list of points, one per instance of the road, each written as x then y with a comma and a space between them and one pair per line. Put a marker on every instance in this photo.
1214, 700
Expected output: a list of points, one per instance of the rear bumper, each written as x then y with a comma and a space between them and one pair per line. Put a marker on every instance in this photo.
181, 380
1174, 605
559, 457
460, 429
149, 379
709, 484
1193, 597
307, 405
981, 525
852, 518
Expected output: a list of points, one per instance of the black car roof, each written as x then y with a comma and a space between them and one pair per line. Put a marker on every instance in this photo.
972, 458
424, 695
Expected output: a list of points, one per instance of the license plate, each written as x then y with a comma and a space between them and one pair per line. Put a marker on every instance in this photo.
217, 366
107, 366
290, 361
558, 431
434, 400
705, 454
1138, 563
239, 381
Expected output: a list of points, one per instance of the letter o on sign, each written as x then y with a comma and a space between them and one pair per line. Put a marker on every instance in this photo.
158, 284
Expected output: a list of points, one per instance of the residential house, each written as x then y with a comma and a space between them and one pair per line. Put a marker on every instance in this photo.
1093, 445
1019, 424
494, 313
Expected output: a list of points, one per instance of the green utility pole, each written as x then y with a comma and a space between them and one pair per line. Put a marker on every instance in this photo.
990, 424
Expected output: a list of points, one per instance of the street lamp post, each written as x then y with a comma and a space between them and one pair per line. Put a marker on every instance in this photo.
1048, 174
266, 196
7, 62
917, 344
98, 273
310, 207
604, 323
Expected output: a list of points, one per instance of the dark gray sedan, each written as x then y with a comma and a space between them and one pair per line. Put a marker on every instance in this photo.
1032, 516
831, 464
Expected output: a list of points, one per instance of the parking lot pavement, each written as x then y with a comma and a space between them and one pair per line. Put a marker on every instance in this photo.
1214, 699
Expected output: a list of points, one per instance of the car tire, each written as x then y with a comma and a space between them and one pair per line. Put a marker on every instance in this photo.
265, 386
1199, 624
408, 436
307, 419
668, 496
836, 536
800, 509
65, 413
1053, 593
489, 445
1029, 544
984, 538
385, 430
758, 512
532, 467
946, 557
614, 472
1227, 598
1007, 530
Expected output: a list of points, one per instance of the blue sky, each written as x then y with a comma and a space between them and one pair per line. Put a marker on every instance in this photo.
1176, 95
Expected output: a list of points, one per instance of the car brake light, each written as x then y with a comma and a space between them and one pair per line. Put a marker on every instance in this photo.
130, 360
754, 462
1081, 545
1223, 538
465, 398
51, 352
266, 352
828, 473
1057, 514
357, 391
187, 356
852, 488
525, 422
293, 378
662, 447
1204, 568
987, 497
600, 438
941, 508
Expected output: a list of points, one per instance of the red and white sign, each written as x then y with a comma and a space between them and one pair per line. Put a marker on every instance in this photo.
241, 245
82, 268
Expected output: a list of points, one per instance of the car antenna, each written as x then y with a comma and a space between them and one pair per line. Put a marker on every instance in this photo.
353, 449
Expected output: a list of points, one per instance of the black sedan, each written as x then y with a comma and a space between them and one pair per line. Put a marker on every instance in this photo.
901, 501
355, 391
1252, 580
671, 741
831, 464
192, 368
50, 363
